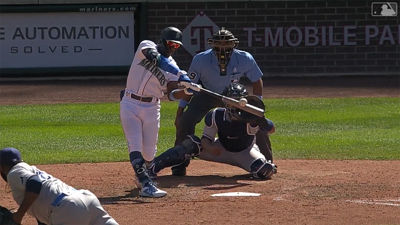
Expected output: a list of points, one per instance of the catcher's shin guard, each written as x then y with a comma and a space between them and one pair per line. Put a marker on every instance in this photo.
177, 155
262, 169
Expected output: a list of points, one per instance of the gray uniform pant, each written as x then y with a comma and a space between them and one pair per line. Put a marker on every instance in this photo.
199, 106
242, 159
80, 207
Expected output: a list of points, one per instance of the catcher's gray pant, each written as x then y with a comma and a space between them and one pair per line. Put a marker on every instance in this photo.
199, 106
80, 207
242, 159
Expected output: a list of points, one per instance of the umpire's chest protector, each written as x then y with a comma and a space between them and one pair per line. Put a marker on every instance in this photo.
208, 70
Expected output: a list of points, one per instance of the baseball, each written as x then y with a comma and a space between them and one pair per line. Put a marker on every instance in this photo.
242, 102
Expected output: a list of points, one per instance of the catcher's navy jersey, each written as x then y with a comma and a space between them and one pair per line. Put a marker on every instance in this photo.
235, 136
205, 67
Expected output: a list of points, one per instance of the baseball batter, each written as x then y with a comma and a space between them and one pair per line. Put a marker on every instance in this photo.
215, 69
47, 198
152, 72
235, 144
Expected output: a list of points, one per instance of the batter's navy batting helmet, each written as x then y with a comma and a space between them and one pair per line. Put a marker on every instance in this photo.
171, 34
170, 40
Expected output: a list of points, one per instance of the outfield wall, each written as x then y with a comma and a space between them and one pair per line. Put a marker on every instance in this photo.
287, 38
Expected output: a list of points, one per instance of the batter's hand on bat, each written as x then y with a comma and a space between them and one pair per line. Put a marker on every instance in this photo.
185, 81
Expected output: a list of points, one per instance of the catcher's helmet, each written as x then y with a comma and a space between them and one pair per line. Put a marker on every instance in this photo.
171, 34
223, 42
235, 91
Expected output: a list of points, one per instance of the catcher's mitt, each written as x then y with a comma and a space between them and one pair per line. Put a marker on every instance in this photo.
6, 217
255, 101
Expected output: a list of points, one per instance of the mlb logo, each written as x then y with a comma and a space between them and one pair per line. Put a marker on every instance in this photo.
380, 9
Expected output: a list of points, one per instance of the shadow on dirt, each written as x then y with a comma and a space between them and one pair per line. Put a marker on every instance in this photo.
206, 182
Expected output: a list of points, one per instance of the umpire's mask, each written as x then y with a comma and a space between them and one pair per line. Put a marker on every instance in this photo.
223, 42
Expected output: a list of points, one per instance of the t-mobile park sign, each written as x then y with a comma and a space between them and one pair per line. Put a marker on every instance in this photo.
323, 36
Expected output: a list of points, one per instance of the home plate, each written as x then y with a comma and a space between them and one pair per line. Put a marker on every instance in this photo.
234, 194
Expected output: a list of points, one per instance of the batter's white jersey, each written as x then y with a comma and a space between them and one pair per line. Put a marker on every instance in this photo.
146, 79
51, 189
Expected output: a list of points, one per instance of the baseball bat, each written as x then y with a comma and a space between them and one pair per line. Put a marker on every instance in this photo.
248, 108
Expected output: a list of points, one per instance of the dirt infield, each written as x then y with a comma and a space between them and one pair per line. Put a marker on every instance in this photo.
312, 192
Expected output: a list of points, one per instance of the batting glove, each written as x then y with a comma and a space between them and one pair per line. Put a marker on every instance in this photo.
185, 81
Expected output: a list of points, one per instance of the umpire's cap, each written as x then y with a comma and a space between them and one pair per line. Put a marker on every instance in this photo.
10, 156
171, 34
223, 35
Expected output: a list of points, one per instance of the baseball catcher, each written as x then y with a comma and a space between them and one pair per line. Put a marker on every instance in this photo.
235, 144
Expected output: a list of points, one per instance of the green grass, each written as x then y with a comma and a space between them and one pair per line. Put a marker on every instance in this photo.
352, 128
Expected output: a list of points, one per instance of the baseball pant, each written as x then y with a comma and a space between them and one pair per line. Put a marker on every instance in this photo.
80, 207
242, 159
141, 123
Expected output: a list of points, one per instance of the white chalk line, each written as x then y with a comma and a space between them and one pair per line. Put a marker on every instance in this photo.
376, 202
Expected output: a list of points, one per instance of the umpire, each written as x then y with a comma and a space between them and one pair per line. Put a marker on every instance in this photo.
215, 69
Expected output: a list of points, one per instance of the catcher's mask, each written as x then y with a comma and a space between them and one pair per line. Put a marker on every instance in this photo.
235, 91
170, 40
223, 42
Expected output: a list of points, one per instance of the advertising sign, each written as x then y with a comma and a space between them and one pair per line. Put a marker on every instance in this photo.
83, 37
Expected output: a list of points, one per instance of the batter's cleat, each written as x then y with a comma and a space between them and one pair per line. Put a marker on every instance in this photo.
150, 190
179, 171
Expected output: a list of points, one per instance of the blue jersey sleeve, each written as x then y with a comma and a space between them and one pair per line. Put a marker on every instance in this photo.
160, 61
253, 72
166, 65
34, 184
195, 69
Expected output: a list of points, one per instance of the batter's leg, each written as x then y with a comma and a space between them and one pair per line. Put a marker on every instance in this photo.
131, 125
148, 188
151, 127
